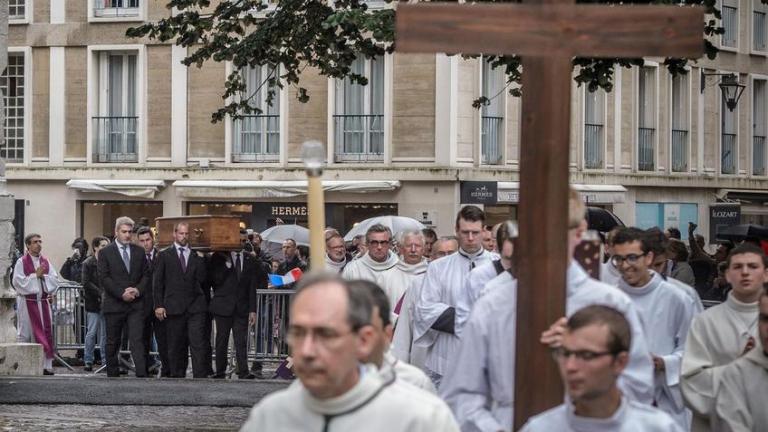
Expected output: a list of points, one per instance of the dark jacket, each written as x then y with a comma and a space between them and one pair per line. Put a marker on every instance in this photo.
149, 304
115, 278
175, 290
233, 295
72, 269
92, 290
287, 266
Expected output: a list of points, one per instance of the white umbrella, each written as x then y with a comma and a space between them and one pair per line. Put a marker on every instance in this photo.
395, 223
280, 233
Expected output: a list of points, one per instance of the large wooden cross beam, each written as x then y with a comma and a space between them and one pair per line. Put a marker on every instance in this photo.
547, 34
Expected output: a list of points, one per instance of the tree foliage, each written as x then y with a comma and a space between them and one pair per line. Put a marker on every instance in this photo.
329, 36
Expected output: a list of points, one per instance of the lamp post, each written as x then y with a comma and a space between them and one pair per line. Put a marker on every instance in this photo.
729, 85
313, 155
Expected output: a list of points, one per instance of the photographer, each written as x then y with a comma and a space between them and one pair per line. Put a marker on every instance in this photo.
73, 267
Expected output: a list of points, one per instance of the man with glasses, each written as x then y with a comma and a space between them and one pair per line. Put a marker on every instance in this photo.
593, 354
378, 259
666, 313
335, 252
330, 331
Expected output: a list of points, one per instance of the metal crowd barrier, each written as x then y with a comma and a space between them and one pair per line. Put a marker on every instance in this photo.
68, 318
267, 339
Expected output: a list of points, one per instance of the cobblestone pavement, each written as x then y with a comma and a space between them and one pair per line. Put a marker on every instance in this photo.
113, 418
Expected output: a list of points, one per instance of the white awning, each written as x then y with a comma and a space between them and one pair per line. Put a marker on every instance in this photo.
509, 192
131, 188
275, 189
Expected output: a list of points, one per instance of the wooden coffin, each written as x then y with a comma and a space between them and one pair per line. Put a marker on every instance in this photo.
206, 233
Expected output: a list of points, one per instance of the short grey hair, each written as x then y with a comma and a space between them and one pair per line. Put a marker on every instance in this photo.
377, 228
359, 303
402, 235
124, 220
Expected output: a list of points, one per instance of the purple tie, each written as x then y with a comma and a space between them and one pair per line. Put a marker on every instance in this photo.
182, 260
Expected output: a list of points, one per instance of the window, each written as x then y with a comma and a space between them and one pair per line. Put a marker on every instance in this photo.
256, 136
594, 113
759, 35
359, 118
17, 9
492, 114
646, 119
680, 123
115, 8
759, 126
12, 85
730, 23
728, 138
115, 126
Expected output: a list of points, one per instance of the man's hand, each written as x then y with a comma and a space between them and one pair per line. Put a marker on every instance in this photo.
160, 314
692, 227
553, 337
658, 363
252, 318
128, 295
749, 346
40, 272
133, 291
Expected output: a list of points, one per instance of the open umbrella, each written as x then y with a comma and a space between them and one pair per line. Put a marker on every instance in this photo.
395, 223
743, 231
280, 233
602, 220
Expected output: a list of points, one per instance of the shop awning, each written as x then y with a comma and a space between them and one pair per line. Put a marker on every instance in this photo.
131, 188
744, 196
509, 192
274, 189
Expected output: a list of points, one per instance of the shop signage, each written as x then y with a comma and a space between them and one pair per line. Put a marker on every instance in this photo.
475, 192
722, 216
289, 210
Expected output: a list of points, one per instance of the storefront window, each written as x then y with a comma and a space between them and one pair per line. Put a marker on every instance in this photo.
98, 218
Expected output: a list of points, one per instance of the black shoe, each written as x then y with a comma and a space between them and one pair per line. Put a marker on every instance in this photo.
248, 376
123, 371
88, 367
47, 372
220, 375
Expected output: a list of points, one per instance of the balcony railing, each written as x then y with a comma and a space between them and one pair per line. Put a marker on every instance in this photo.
645, 150
115, 8
359, 138
593, 146
490, 136
758, 155
679, 150
728, 155
256, 138
114, 139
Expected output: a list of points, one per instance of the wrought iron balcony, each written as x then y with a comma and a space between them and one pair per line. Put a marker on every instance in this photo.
728, 154
490, 136
645, 150
593, 146
359, 138
758, 155
679, 150
256, 138
114, 139
116, 8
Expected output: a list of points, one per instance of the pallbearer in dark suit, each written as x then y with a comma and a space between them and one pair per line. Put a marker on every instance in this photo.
152, 325
124, 278
234, 277
179, 282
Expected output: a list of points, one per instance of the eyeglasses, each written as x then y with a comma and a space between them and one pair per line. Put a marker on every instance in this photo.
617, 260
563, 354
375, 243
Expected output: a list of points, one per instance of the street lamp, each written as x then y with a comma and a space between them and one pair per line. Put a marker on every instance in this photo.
729, 85
313, 155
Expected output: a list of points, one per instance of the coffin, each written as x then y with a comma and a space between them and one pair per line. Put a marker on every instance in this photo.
206, 233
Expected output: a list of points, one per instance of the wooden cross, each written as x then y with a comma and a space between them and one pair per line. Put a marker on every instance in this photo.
547, 34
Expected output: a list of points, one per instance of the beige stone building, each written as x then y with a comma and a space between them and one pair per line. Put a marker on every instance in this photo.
99, 125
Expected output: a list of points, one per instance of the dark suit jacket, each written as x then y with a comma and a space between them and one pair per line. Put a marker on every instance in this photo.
233, 296
177, 291
149, 303
92, 290
115, 278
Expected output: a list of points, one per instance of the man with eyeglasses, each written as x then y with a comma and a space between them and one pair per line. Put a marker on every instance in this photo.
378, 259
666, 313
330, 331
335, 252
479, 386
593, 354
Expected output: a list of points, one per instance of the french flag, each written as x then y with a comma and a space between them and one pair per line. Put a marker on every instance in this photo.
289, 278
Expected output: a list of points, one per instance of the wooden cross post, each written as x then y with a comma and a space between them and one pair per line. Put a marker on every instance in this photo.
547, 34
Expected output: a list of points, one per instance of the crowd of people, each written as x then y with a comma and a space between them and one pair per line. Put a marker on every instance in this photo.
411, 331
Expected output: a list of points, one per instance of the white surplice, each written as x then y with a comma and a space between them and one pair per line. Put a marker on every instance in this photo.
666, 313
740, 403
717, 337
630, 417
698, 306
368, 269
408, 373
444, 287
396, 281
480, 384
477, 279
403, 345
372, 405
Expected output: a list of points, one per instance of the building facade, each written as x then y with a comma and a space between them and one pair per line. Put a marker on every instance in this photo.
99, 125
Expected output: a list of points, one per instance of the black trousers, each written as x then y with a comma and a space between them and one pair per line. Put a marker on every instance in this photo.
154, 326
187, 332
238, 325
133, 321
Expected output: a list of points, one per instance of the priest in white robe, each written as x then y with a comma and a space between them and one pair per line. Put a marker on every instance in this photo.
412, 263
659, 245
377, 260
723, 333
740, 402
330, 330
592, 355
35, 280
506, 233
666, 313
335, 252
444, 295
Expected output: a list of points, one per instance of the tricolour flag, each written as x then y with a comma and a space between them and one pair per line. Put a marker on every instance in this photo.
289, 278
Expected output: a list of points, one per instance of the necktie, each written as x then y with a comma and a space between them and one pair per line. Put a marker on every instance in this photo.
149, 258
182, 260
126, 260
238, 264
